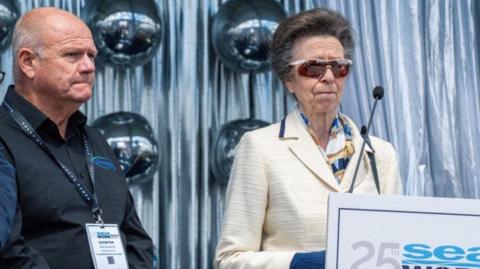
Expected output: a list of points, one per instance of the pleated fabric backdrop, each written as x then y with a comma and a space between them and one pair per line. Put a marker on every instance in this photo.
422, 52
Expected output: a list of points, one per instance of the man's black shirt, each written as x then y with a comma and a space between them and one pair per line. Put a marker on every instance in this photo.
49, 230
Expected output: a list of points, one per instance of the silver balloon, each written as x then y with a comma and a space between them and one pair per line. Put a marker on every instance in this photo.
225, 143
132, 141
8, 17
242, 30
127, 33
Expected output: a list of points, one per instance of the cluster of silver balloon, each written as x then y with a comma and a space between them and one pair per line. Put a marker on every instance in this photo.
132, 140
241, 33
223, 148
8, 16
127, 33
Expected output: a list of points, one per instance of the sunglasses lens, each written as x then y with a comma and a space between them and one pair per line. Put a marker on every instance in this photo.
339, 70
312, 70
315, 69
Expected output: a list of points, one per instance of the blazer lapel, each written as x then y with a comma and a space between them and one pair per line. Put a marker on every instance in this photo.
306, 151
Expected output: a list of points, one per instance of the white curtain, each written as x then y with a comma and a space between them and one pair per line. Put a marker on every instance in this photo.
425, 55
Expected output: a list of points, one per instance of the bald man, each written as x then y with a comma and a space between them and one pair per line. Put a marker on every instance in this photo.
72, 193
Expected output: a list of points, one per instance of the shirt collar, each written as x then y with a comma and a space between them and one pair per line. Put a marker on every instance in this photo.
36, 118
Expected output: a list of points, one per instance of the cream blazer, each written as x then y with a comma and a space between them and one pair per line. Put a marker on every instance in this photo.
276, 203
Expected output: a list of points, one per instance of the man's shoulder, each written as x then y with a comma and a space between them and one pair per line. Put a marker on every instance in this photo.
8, 127
101, 148
4, 117
92, 131
96, 138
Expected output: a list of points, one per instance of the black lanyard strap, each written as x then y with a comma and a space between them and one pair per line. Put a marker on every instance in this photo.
89, 198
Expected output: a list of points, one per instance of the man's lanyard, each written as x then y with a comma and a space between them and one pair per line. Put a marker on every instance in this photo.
89, 198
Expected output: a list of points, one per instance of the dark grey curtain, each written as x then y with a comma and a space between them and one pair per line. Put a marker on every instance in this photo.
423, 52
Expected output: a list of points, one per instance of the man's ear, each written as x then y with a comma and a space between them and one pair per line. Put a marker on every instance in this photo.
27, 61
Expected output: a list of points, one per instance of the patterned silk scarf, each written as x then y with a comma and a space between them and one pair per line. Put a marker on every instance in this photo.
340, 144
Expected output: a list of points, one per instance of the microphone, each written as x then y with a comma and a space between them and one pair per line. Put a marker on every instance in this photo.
378, 92
377, 95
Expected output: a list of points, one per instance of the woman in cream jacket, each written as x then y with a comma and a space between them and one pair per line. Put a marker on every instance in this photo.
276, 203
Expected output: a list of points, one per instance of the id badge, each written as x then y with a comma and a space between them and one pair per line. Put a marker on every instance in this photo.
106, 246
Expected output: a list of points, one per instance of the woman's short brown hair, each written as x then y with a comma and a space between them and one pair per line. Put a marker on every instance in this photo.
314, 22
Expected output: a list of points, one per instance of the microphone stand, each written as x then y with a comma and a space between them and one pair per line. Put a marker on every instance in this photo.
377, 94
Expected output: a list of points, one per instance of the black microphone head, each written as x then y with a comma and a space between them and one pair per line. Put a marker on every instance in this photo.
378, 92
363, 130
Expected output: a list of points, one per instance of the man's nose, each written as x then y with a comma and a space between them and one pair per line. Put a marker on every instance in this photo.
87, 64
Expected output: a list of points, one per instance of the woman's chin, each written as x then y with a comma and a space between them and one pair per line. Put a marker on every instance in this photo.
325, 106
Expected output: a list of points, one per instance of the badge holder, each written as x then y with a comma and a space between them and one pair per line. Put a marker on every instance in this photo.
106, 245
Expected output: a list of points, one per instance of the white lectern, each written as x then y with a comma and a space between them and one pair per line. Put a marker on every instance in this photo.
402, 232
